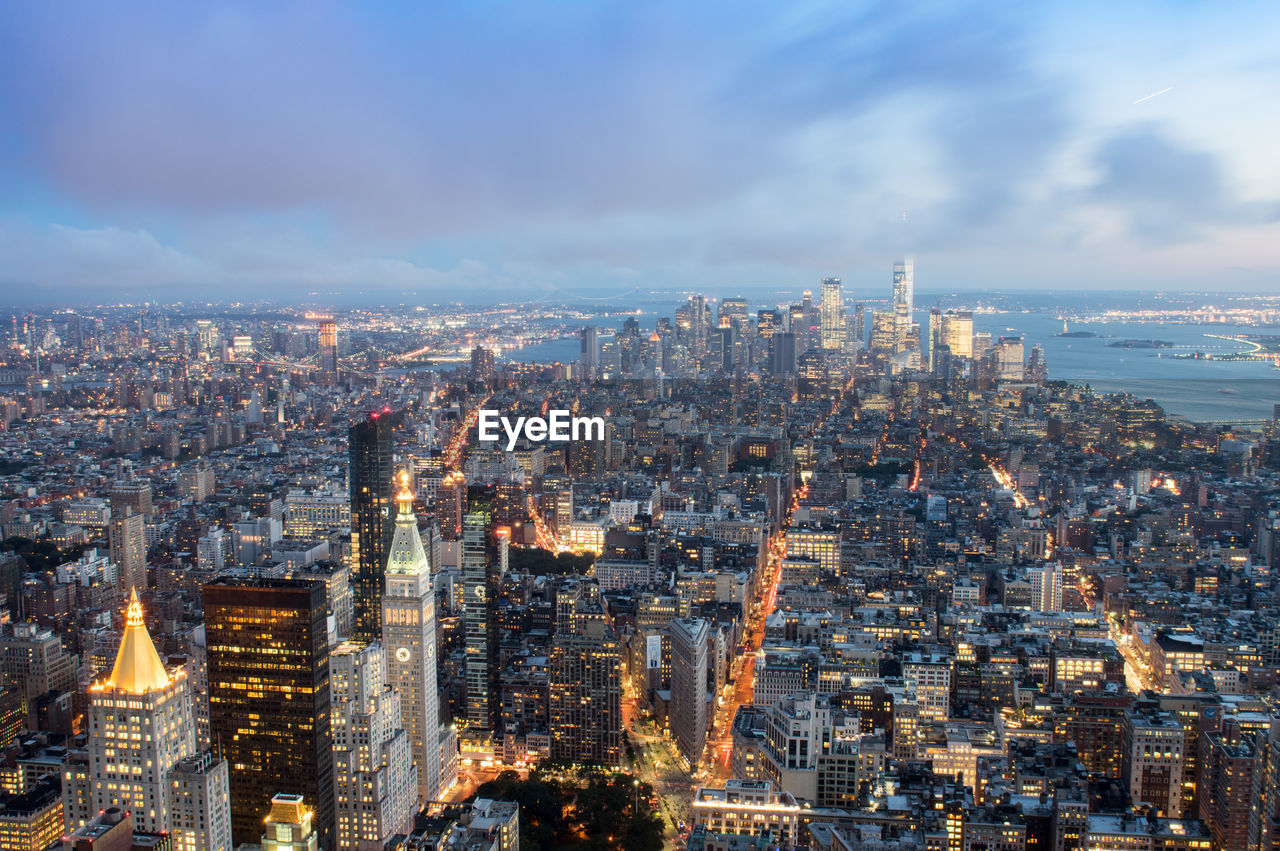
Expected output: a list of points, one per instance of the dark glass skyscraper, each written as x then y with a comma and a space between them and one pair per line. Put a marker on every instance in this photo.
479, 588
268, 670
371, 470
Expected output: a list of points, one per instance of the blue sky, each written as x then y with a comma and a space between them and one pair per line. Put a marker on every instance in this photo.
440, 151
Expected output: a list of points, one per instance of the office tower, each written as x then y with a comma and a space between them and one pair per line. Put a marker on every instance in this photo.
1225, 785
981, 345
1046, 587
936, 344
721, 354
904, 294
451, 500
590, 347
141, 723
858, 332
268, 672
585, 678
782, 358
1037, 367
692, 319
134, 494
128, 542
200, 808
290, 826
1009, 362
768, 323
688, 714
832, 316
374, 780
329, 346
482, 364
957, 333
732, 310
36, 662
409, 636
208, 336
370, 473
883, 332
478, 589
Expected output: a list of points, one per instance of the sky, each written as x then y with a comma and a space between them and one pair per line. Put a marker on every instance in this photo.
491, 151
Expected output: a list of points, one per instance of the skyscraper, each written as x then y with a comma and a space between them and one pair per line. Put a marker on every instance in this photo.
957, 333
590, 347
268, 671
688, 715
370, 473
142, 735
200, 812
373, 773
1009, 359
478, 622
329, 346
832, 316
128, 541
451, 500
585, 677
409, 636
904, 294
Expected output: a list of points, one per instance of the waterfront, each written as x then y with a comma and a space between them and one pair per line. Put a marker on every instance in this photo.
1198, 390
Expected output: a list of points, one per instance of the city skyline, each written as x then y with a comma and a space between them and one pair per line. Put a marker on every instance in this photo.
367, 152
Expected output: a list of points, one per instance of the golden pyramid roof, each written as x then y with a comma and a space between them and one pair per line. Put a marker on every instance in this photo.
138, 668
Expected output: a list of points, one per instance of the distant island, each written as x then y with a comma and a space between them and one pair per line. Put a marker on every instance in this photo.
1141, 344
1077, 335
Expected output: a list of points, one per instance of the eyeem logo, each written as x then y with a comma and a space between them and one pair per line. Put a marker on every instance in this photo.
558, 427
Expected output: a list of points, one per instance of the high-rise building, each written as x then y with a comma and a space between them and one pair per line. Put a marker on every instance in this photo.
782, 359
134, 494
35, 660
883, 332
957, 333
329, 346
370, 473
1037, 366
688, 715
141, 730
832, 313
195, 481
590, 347
477, 618
585, 677
1046, 587
451, 501
409, 636
1153, 760
904, 295
200, 811
374, 779
1009, 359
482, 364
32, 820
269, 715
128, 541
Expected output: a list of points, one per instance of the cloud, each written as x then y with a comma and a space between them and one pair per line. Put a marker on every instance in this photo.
1168, 192
305, 145
113, 264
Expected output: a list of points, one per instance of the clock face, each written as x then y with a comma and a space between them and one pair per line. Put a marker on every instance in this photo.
403, 654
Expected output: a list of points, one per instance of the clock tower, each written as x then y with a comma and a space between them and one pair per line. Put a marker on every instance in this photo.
409, 635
